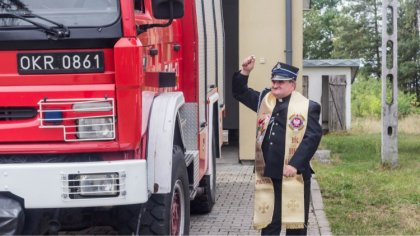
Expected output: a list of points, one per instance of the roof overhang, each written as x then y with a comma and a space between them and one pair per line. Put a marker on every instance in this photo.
353, 64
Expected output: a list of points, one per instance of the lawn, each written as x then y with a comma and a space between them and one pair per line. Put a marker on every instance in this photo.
363, 198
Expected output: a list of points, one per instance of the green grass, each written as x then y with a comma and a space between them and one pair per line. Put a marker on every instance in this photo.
362, 197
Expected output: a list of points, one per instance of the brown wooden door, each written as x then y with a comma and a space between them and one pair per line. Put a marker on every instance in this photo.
337, 103
324, 102
305, 86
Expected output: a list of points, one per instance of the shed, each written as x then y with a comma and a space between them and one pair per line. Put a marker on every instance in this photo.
328, 82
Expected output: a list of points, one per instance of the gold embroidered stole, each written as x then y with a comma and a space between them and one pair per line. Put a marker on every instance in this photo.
292, 197
264, 191
292, 204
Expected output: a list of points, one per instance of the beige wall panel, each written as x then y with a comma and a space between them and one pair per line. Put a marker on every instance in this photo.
262, 29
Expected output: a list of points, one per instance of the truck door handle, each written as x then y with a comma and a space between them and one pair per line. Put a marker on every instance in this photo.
153, 52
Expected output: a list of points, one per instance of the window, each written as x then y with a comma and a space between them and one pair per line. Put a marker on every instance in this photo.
72, 13
139, 5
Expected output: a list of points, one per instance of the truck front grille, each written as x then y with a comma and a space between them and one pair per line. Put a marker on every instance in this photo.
17, 113
49, 158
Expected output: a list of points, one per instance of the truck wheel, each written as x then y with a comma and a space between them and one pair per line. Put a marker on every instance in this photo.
204, 203
169, 214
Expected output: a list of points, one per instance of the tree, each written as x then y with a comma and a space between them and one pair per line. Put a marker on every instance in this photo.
344, 29
319, 27
409, 47
350, 39
367, 41
352, 29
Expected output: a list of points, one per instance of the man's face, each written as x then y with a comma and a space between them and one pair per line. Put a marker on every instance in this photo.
282, 88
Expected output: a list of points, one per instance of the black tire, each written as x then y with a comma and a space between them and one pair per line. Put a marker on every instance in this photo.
204, 203
160, 215
156, 215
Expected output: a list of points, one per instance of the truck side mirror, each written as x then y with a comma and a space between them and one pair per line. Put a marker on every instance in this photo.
168, 9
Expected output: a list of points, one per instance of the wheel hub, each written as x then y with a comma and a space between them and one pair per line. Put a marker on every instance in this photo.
177, 210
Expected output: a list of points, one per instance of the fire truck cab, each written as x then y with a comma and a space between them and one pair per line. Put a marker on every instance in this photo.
110, 114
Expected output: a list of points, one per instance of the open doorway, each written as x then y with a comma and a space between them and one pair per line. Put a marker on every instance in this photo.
230, 149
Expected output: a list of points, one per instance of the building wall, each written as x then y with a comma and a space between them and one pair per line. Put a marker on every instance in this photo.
262, 32
315, 85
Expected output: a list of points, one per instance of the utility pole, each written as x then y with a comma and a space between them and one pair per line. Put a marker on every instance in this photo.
389, 150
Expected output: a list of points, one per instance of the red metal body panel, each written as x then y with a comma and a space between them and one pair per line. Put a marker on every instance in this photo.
29, 96
123, 80
189, 83
163, 39
40, 148
129, 77
127, 14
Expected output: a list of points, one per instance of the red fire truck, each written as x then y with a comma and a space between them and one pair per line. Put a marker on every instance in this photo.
110, 114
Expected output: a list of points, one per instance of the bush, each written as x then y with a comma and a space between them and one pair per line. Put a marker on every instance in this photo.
366, 98
405, 104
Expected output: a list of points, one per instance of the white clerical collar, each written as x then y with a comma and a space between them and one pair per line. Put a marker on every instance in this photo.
280, 99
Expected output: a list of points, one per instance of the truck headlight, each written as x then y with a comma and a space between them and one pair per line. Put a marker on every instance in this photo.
92, 106
99, 184
95, 128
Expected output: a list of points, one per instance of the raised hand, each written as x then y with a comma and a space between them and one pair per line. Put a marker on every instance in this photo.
248, 65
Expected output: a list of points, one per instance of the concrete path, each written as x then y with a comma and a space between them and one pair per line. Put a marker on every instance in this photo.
232, 214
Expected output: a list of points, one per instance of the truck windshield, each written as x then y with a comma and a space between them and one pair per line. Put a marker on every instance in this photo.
71, 13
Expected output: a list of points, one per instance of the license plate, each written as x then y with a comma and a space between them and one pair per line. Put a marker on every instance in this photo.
60, 62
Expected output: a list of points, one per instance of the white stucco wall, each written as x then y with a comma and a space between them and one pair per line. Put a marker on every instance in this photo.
315, 85
262, 33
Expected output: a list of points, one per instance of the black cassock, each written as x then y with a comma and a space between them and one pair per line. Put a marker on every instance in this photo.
273, 146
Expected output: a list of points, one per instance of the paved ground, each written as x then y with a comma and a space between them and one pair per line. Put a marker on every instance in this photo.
232, 214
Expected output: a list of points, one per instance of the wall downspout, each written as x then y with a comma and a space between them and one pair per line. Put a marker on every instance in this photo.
289, 50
